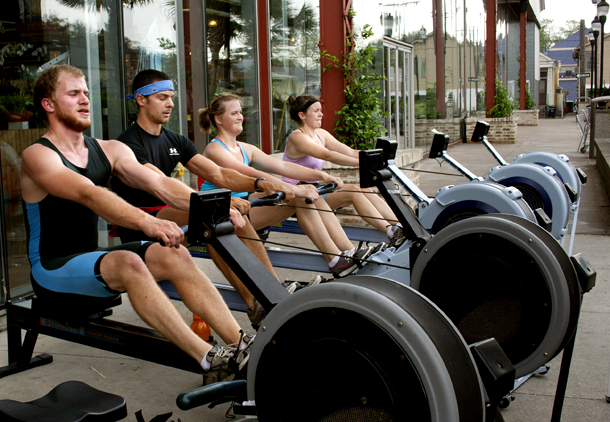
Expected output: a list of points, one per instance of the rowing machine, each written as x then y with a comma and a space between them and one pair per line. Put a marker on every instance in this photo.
373, 347
572, 178
540, 186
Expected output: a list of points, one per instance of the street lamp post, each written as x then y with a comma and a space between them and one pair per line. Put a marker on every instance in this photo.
596, 25
602, 11
593, 41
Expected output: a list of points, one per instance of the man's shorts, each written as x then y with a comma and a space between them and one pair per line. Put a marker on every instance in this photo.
79, 274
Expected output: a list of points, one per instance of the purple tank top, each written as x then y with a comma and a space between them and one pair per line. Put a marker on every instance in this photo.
306, 161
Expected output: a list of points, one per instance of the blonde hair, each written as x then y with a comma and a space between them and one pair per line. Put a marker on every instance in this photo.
216, 108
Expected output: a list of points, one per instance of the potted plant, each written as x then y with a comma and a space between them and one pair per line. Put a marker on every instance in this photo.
14, 107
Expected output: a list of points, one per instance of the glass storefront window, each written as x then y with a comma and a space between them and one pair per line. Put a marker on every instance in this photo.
35, 35
232, 58
295, 68
151, 42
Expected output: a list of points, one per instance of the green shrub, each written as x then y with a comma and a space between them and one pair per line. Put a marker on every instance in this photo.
504, 106
360, 120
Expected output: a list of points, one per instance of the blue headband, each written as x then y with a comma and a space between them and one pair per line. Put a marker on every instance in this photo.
152, 88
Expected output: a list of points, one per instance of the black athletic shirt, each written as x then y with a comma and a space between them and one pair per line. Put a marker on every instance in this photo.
163, 151
58, 227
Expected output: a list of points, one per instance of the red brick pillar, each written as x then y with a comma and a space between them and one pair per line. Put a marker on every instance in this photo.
332, 39
523, 56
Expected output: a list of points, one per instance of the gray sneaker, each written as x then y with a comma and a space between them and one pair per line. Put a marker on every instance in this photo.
398, 237
317, 280
220, 365
256, 315
361, 254
226, 362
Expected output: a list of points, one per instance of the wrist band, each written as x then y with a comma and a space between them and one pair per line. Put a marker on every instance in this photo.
258, 179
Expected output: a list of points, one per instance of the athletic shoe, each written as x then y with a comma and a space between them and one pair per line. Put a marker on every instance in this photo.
344, 266
292, 286
361, 254
317, 280
226, 362
398, 237
256, 315
221, 368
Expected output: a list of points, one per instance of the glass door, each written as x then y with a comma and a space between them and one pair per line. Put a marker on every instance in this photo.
399, 99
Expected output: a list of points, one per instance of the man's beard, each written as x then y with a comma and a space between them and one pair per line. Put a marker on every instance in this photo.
72, 122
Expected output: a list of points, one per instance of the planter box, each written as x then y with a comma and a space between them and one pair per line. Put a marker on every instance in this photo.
527, 117
502, 130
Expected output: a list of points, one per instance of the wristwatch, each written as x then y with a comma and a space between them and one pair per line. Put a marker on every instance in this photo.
258, 179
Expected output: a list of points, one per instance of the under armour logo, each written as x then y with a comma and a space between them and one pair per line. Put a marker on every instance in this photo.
173, 151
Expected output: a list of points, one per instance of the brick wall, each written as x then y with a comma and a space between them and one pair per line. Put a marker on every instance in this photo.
502, 130
526, 117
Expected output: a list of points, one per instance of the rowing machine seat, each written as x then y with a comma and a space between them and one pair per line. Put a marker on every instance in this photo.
70, 401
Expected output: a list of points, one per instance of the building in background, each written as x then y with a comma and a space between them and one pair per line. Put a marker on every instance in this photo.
563, 53
549, 83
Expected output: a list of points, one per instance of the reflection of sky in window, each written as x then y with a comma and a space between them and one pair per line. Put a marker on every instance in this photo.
142, 24
72, 15
411, 15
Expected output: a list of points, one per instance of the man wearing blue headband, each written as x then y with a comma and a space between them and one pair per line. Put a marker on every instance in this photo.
161, 149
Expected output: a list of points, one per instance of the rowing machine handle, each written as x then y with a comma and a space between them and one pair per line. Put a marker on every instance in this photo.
272, 199
327, 188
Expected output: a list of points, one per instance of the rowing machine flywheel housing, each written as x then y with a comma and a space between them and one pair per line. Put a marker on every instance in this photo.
541, 188
455, 203
505, 277
362, 349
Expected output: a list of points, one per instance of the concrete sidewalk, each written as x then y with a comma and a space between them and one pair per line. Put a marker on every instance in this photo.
153, 388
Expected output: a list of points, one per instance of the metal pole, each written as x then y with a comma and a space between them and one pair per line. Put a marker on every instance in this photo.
602, 19
595, 67
592, 42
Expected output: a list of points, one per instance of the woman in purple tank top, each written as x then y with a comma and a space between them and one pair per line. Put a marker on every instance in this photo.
310, 146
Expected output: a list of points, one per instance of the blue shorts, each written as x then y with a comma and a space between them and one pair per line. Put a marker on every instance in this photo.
79, 274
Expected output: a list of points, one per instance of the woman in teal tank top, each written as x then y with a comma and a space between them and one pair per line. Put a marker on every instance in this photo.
323, 228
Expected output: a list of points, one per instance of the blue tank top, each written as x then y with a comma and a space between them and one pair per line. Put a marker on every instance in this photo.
57, 227
210, 186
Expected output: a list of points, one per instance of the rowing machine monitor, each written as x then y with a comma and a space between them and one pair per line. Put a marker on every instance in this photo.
481, 129
209, 215
209, 223
389, 147
372, 165
440, 143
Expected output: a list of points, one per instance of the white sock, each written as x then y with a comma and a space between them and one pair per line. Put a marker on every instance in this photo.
333, 261
205, 364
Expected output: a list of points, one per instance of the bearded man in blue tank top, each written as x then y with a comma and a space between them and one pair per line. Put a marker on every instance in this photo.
63, 177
